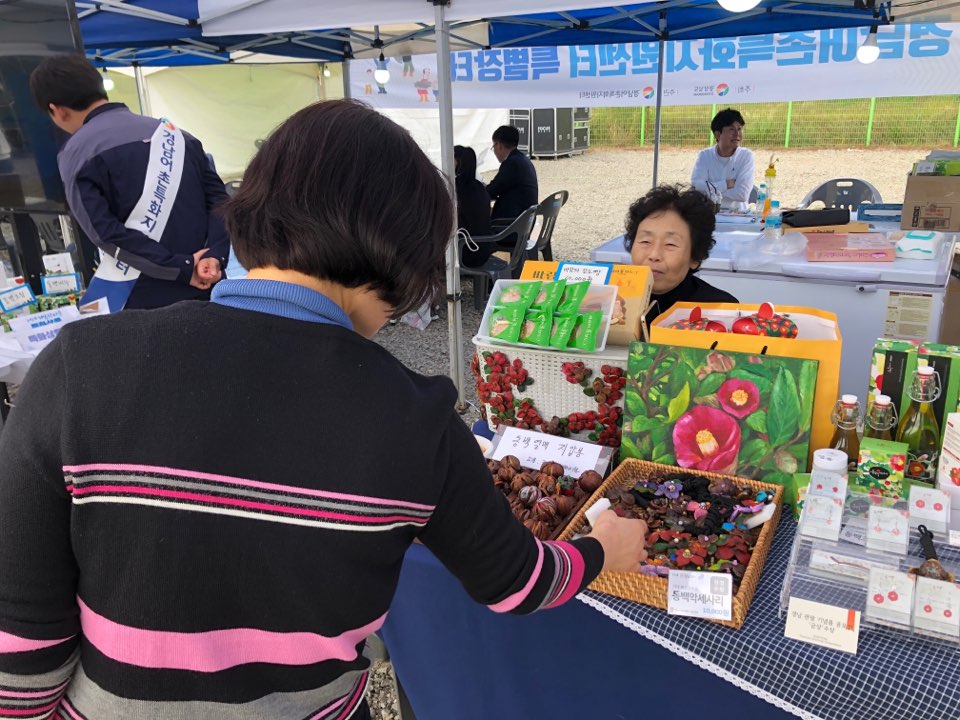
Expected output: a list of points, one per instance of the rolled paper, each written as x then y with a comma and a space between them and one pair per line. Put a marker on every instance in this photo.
601, 506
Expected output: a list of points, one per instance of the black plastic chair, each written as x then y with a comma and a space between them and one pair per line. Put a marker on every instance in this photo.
548, 210
495, 268
848, 193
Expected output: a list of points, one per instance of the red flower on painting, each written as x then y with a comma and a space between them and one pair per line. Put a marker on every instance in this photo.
739, 397
706, 438
955, 476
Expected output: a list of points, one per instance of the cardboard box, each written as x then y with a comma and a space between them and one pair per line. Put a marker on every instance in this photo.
891, 371
634, 283
850, 247
931, 203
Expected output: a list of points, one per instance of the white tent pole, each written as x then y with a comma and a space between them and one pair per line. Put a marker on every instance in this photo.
141, 89
661, 59
454, 320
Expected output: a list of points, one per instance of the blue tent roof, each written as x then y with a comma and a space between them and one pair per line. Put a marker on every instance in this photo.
689, 20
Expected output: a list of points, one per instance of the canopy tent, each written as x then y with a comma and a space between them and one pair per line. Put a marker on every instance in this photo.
504, 22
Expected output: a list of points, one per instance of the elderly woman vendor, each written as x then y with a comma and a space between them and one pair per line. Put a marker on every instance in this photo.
670, 230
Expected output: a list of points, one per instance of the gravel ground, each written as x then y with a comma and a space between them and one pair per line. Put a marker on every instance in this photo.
602, 184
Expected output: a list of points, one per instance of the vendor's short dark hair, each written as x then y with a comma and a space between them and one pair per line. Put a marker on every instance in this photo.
342, 193
692, 205
726, 118
507, 135
68, 80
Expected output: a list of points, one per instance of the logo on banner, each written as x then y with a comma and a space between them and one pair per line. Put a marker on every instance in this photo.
647, 92
723, 89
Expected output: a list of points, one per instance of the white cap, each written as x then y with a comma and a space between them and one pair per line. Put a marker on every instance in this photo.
882, 400
849, 399
830, 460
925, 370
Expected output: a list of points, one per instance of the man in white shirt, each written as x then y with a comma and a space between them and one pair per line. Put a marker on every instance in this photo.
726, 169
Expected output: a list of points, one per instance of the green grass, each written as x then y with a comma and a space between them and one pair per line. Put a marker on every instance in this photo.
904, 122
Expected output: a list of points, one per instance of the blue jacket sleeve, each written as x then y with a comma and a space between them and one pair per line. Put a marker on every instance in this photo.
92, 210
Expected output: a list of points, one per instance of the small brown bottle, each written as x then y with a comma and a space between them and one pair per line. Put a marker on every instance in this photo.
846, 418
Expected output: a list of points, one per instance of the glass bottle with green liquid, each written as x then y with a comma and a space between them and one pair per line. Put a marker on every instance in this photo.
846, 437
919, 428
881, 419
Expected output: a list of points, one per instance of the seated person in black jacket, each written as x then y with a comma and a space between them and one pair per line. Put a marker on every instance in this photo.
670, 230
514, 189
473, 206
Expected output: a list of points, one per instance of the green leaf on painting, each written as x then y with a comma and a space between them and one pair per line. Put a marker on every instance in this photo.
759, 369
659, 450
808, 387
753, 451
646, 446
662, 435
800, 451
645, 424
763, 384
710, 384
758, 421
777, 478
666, 459
710, 400
628, 448
634, 404
680, 376
678, 406
783, 413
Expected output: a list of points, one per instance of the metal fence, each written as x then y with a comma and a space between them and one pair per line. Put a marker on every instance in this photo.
904, 121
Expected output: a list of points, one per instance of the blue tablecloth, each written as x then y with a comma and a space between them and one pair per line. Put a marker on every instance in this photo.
458, 660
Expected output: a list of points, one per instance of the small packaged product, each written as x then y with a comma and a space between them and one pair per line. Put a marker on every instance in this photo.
573, 294
549, 296
506, 323
519, 295
562, 327
585, 331
536, 328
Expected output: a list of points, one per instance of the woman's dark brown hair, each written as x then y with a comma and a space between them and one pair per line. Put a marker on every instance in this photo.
339, 192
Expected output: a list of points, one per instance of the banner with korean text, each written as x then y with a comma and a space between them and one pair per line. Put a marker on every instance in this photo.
918, 59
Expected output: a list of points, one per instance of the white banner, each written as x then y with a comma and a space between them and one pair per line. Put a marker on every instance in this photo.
918, 59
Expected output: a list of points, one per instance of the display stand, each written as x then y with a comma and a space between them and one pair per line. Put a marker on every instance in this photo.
847, 574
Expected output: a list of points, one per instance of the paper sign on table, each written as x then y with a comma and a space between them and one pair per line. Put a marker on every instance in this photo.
58, 263
822, 517
16, 298
594, 273
700, 594
937, 606
60, 284
533, 449
890, 595
827, 484
930, 507
954, 538
35, 332
824, 625
888, 530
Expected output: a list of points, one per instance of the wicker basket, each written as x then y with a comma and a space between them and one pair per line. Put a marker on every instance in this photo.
550, 391
650, 590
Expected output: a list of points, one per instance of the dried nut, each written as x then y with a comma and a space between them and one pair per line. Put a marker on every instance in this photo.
493, 466
565, 505
590, 480
511, 461
551, 468
529, 495
540, 529
529, 523
517, 484
547, 484
528, 478
545, 509
506, 473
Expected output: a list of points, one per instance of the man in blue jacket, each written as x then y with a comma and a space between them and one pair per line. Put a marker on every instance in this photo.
514, 189
143, 191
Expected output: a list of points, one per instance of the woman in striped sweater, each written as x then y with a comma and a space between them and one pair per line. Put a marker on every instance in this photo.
204, 508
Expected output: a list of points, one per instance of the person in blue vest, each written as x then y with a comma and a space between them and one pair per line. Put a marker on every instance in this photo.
143, 191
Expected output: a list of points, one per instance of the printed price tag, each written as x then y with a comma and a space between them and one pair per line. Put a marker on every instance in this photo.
954, 538
890, 595
930, 507
16, 298
822, 517
35, 332
58, 263
824, 625
60, 284
533, 449
937, 606
854, 533
595, 274
700, 594
827, 484
888, 530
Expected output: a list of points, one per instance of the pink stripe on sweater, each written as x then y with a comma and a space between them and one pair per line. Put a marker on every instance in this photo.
27, 712
576, 572
246, 504
215, 650
511, 602
355, 700
157, 470
65, 705
31, 693
10, 643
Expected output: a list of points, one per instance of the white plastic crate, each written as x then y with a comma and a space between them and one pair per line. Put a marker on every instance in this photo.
550, 392
598, 297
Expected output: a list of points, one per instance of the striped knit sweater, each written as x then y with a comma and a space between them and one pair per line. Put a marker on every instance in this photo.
204, 510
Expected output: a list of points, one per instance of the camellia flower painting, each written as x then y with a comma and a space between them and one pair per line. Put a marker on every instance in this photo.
718, 411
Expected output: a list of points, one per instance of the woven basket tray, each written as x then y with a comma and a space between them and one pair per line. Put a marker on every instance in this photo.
550, 391
651, 590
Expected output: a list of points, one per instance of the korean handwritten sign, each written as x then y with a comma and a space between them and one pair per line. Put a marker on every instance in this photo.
700, 594
533, 449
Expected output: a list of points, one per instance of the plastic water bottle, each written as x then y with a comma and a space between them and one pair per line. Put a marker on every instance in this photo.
770, 176
773, 227
761, 202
